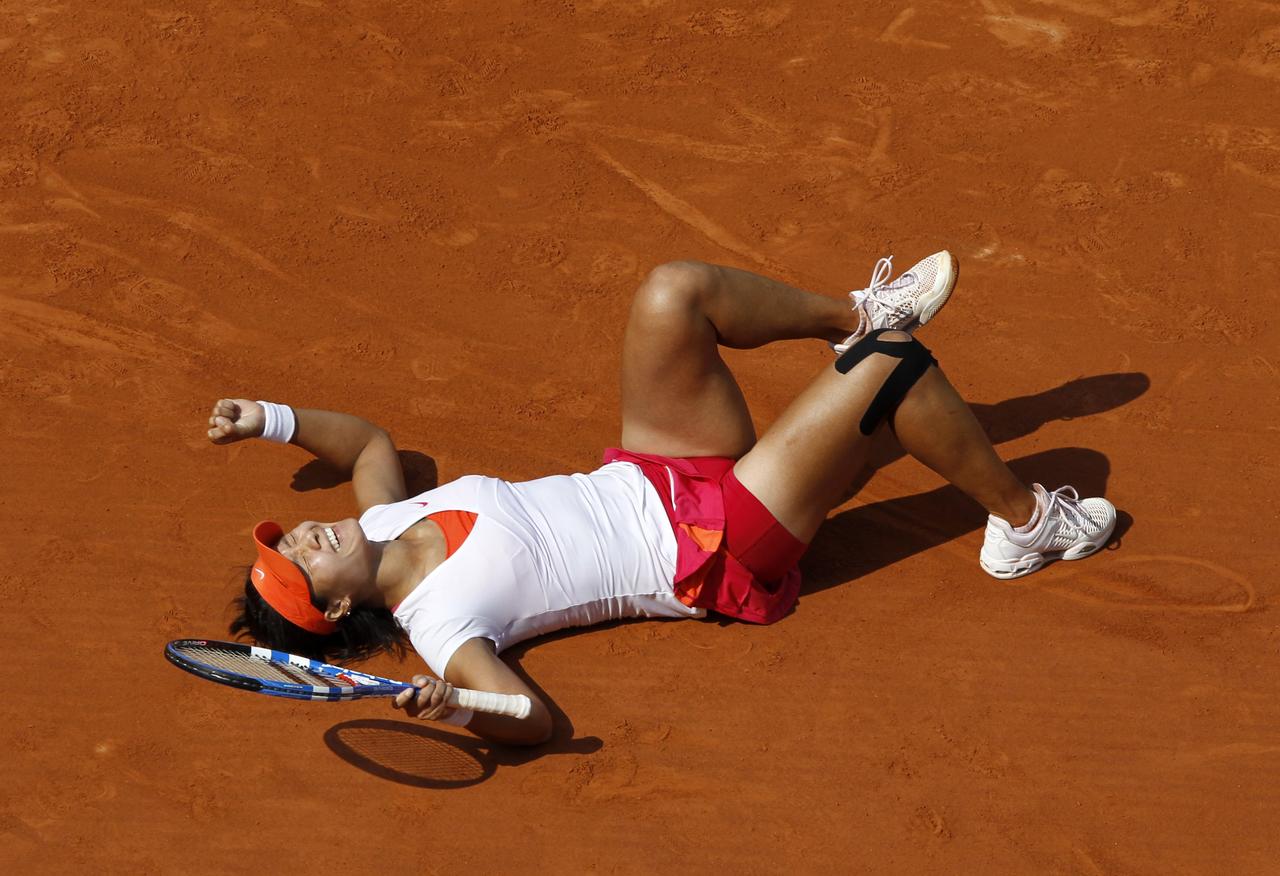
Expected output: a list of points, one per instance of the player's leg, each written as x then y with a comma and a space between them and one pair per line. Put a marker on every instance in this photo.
801, 467
678, 396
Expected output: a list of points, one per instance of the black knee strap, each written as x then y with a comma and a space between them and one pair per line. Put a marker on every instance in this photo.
915, 361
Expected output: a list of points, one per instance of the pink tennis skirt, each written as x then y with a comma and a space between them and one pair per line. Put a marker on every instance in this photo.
732, 555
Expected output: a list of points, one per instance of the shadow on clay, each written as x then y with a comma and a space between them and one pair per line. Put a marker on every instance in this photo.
1018, 417
414, 753
861, 540
865, 539
1082, 397
420, 474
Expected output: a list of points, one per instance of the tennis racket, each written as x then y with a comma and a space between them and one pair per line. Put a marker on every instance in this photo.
278, 674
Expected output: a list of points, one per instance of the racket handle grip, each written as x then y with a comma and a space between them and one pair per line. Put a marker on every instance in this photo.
511, 705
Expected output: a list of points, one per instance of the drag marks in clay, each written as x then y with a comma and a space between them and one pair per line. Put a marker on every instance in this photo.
1020, 31
894, 32
42, 324
686, 213
1152, 583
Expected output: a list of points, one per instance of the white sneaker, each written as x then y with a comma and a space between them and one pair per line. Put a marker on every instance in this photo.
1069, 528
906, 303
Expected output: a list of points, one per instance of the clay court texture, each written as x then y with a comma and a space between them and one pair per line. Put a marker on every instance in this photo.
434, 214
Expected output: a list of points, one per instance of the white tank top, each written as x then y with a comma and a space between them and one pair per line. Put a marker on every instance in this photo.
561, 551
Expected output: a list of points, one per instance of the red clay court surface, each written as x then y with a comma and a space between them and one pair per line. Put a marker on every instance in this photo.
433, 215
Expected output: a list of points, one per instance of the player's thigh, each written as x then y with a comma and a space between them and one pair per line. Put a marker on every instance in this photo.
678, 396
802, 466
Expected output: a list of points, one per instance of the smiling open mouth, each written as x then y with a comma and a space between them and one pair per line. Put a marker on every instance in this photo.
332, 536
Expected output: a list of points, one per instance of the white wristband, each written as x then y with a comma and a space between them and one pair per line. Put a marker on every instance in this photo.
459, 717
280, 422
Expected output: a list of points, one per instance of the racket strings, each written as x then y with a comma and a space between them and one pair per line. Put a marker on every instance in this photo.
261, 668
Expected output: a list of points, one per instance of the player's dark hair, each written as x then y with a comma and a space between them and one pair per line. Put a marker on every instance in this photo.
362, 633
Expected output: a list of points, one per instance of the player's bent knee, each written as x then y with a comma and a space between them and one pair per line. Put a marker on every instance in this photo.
914, 359
673, 287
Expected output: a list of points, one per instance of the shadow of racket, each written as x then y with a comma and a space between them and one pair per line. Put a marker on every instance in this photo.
411, 754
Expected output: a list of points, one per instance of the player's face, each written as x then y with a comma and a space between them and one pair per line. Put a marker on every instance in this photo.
335, 557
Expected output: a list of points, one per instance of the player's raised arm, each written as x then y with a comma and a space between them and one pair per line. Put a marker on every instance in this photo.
349, 443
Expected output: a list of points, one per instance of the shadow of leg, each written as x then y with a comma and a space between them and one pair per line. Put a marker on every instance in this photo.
1082, 397
862, 540
1018, 417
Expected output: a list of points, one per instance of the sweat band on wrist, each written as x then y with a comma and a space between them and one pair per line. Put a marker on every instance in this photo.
459, 717
280, 422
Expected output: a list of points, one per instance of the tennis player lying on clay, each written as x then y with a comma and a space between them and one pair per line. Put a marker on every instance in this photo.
692, 514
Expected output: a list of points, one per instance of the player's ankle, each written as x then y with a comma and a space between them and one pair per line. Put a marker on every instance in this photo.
838, 334
1018, 509
851, 328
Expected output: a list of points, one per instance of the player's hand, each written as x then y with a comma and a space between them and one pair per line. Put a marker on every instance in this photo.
429, 702
235, 419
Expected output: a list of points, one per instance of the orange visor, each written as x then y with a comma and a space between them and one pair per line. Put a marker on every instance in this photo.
282, 584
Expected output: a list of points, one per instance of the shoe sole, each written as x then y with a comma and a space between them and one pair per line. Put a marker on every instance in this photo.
1025, 565
934, 302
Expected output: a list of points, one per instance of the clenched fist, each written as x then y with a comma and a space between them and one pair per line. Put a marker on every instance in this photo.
235, 419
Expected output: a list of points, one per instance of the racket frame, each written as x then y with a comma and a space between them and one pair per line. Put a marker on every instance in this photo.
358, 685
